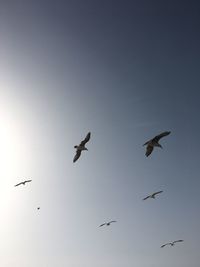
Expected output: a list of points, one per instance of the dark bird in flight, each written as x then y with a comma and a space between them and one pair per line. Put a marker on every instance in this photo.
154, 142
38, 208
81, 147
172, 243
152, 195
107, 223
27, 181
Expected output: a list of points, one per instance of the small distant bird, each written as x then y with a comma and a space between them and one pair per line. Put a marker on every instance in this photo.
154, 142
38, 208
81, 147
27, 181
172, 243
107, 223
152, 195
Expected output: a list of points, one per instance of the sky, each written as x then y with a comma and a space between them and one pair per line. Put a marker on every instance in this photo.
126, 71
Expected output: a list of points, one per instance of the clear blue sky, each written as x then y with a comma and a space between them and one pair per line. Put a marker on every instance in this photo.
126, 71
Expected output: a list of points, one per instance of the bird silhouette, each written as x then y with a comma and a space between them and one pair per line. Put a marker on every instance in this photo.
81, 147
154, 142
172, 243
24, 182
107, 223
152, 195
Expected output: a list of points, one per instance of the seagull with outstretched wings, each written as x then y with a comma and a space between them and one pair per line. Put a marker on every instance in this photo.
24, 182
152, 195
81, 147
154, 142
172, 243
107, 223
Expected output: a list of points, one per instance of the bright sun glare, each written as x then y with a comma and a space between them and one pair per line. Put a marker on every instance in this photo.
12, 158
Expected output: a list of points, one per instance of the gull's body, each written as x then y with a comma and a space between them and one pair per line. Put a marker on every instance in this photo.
153, 195
107, 223
154, 142
172, 243
81, 147
24, 182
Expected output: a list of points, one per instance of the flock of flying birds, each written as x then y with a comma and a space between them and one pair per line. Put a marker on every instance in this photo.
154, 142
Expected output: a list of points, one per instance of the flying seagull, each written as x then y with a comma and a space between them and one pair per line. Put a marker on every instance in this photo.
27, 181
154, 142
172, 243
81, 147
152, 195
107, 223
